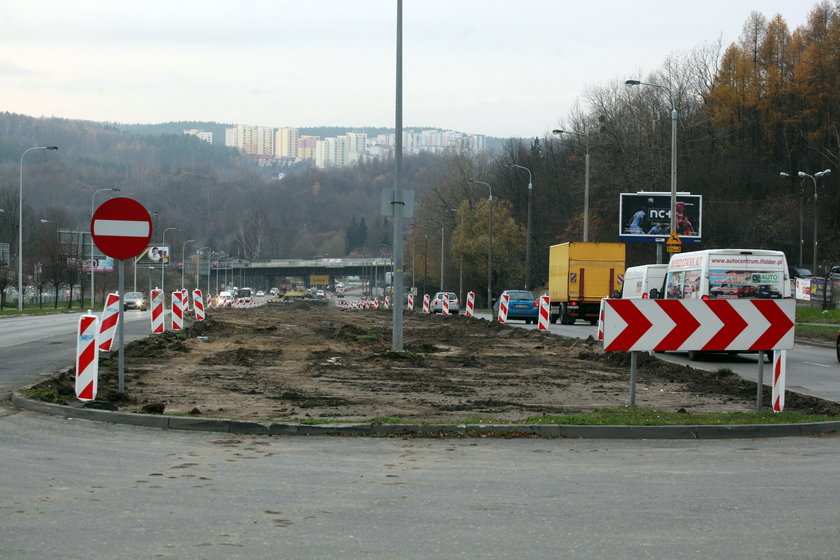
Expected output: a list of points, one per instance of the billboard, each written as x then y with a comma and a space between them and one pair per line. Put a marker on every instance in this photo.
646, 216
155, 254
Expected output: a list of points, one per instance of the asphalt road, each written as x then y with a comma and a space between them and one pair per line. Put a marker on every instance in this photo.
79, 490
32, 346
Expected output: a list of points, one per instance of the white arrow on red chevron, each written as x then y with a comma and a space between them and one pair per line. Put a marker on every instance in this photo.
710, 325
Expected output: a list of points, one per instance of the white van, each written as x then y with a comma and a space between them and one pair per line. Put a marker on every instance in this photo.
727, 273
644, 281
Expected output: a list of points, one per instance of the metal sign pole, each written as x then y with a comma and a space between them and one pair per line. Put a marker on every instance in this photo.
633, 368
121, 327
760, 382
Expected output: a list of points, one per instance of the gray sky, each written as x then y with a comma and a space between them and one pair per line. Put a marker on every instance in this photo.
479, 66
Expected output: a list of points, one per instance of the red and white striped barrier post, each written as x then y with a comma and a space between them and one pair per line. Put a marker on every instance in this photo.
387, 302
779, 370
177, 312
503, 307
542, 323
470, 304
198, 305
157, 311
108, 323
87, 358
601, 320
410, 302
445, 304
426, 303
185, 301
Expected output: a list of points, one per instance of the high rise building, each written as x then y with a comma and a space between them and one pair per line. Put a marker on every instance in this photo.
285, 143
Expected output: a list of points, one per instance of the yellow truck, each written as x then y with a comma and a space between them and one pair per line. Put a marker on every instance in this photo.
580, 275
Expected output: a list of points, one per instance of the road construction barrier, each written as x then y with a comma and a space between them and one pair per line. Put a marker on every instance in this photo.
87, 358
444, 304
108, 323
542, 323
185, 302
470, 304
387, 302
157, 311
410, 302
601, 320
198, 305
177, 312
779, 371
503, 307
425, 303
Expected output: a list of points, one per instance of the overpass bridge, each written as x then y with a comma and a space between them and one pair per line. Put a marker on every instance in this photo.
307, 272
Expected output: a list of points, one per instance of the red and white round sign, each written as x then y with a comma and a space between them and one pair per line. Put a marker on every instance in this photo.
121, 228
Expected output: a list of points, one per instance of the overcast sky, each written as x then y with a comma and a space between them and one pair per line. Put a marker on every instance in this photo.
501, 68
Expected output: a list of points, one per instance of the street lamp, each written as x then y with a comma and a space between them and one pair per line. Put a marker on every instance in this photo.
528, 223
20, 223
92, 267
442, 248
183, 262
489, 241
673, 158
163, 259
814, 178
585, 136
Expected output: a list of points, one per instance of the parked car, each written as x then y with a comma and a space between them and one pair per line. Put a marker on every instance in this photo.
799, 272
436, 305
134, 300
522, 305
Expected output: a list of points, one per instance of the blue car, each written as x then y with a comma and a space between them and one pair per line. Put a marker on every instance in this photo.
522, 305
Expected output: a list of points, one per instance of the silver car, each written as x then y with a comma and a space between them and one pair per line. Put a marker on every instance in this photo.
436, 305
134, 300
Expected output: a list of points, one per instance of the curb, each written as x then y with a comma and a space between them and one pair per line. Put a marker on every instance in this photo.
429, 430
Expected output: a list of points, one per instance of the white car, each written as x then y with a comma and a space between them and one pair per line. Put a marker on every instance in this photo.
436, 305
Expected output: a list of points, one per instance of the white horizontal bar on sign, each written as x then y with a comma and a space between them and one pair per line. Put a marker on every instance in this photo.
121, 228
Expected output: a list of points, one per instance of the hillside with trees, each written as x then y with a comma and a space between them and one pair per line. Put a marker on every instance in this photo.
766, 104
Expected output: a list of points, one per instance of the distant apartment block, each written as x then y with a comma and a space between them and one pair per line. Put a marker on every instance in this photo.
340, 151
201, 134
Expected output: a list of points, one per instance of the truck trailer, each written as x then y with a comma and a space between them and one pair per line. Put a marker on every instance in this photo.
580, 275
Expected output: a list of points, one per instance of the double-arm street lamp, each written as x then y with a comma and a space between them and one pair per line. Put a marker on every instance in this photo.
673, 156
814, 178
528, 223
20, 223
92, 267
585, 136
489, 241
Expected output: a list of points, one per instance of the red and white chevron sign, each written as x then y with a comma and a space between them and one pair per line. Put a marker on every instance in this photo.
696, 324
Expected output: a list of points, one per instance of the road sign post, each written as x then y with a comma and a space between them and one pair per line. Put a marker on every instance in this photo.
121, 228
714, 325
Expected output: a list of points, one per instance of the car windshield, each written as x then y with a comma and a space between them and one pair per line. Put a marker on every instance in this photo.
133, 295
520, 294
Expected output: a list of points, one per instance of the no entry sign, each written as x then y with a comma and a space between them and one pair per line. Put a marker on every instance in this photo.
121, 228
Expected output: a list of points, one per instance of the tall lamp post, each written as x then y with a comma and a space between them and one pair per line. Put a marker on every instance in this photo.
489, 241
183, 261
585, 136
92, 267
528, 223
673, 158
20, 223
162, 261
814, 178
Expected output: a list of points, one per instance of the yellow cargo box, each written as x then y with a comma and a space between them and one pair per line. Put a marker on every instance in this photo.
585, 272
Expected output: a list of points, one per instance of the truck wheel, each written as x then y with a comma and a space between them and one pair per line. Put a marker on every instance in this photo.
565, 318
